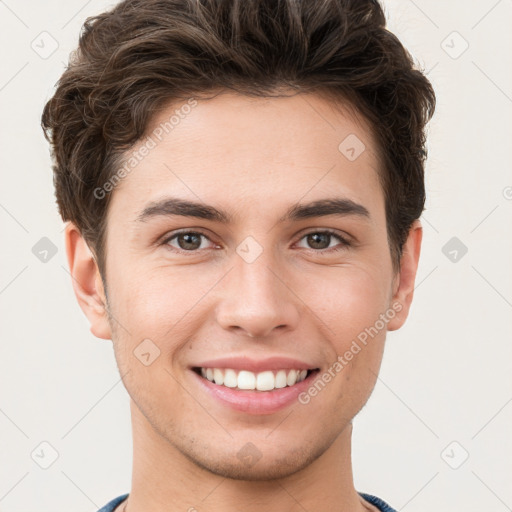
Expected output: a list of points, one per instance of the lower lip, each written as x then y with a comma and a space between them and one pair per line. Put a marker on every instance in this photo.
256, 402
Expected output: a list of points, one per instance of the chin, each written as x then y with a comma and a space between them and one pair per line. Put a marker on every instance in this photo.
250, 464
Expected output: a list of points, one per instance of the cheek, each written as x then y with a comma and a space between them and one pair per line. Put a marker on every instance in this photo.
160, 304
351, 307
151, 316
349, 303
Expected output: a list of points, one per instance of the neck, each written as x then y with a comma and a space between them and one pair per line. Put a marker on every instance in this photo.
165, 480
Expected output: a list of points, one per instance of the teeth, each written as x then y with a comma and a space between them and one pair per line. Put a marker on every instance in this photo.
246, 380
280, 379
263, 381
218, 376
291, 378
230, 379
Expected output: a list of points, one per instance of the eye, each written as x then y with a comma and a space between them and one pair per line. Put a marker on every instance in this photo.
321, 240
189, 241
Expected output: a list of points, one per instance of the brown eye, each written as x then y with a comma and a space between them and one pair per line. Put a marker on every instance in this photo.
321, 241
186, 241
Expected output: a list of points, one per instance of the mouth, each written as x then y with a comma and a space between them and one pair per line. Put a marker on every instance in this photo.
265, 381
254, 386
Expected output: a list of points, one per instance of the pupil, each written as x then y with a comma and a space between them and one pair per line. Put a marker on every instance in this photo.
316, 238
190, 239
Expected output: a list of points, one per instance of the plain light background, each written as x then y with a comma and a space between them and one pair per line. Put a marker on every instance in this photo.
436, 433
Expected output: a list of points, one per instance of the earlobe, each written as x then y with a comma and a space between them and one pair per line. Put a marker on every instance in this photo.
404, 287
87, 283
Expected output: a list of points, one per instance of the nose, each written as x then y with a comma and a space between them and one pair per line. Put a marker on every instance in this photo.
255, 299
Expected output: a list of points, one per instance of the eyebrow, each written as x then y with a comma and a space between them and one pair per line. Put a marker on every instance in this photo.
174, 206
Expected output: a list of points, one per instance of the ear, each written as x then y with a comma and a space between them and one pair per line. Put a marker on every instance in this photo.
87, 284
403, 284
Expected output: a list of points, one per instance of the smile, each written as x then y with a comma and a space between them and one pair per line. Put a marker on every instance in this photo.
254, 392
247, 380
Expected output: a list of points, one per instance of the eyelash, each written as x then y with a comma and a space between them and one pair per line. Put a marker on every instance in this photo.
344, 242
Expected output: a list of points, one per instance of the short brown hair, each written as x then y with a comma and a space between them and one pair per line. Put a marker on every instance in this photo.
143, 54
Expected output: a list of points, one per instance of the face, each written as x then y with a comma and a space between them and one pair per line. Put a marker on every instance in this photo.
283, 264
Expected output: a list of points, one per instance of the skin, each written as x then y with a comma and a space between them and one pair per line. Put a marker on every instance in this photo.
254, 158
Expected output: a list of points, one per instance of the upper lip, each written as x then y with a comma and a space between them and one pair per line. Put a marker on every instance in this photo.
256, 365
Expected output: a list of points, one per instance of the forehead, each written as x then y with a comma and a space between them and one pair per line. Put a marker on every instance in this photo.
252, 151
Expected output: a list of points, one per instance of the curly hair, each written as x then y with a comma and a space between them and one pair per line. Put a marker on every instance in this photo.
143, 54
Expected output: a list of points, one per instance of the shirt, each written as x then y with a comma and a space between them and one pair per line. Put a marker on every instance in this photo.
380, 504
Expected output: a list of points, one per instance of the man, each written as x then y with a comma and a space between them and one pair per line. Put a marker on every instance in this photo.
242, 182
